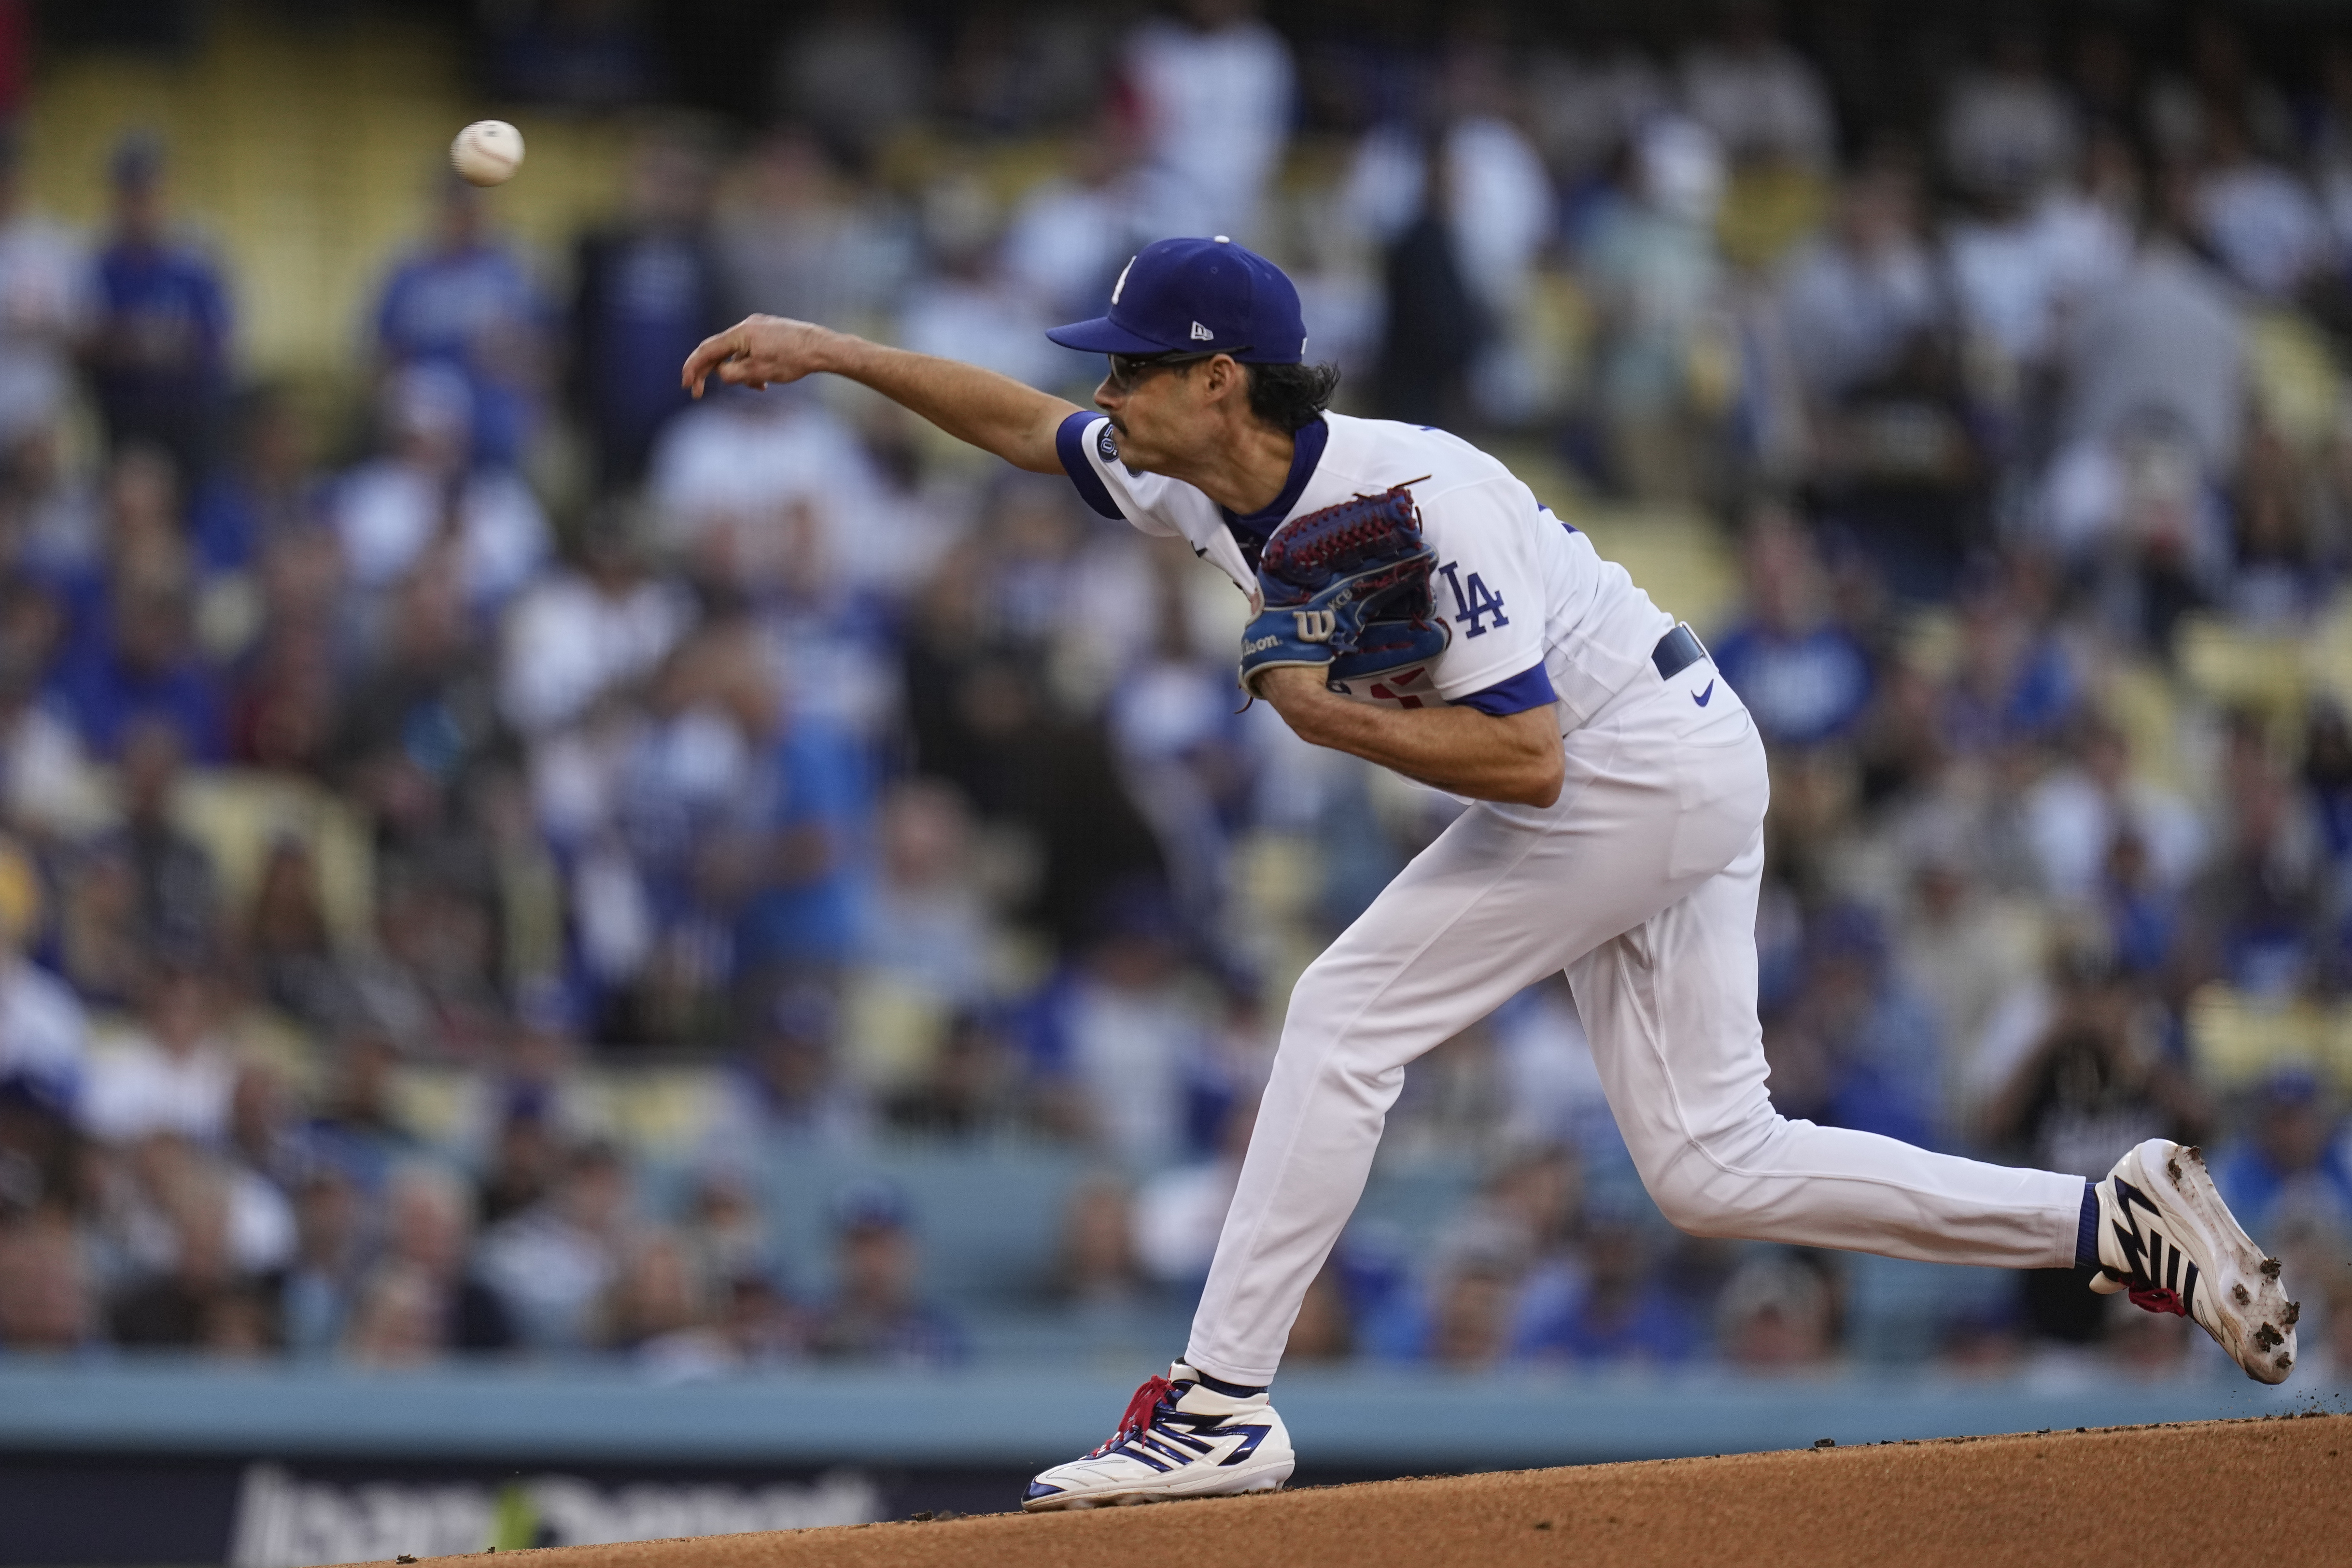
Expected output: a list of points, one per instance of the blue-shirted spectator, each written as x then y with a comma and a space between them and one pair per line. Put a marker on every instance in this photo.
2294, 1172
141, 663
876, 1315
1860, 1047
649, 290
818, 798
786, 1086
136, 536
1804, 676
266, 491
426, 495
736, 826
2327, 775
1620, 1312
2014, 679
1119, 1039
2142, 912
159, 352
466, 301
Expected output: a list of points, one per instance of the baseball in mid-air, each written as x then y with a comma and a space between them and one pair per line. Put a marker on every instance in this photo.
486, 152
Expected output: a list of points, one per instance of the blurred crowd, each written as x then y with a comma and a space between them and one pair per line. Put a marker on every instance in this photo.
506, 720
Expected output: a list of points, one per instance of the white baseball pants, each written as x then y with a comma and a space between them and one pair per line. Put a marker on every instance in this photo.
1641, 882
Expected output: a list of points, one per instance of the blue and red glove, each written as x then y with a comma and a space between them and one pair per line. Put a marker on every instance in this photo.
1346, 591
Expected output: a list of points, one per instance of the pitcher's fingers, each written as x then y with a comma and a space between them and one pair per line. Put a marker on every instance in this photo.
709, 354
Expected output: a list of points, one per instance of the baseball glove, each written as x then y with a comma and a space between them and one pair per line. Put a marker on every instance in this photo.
1347, 591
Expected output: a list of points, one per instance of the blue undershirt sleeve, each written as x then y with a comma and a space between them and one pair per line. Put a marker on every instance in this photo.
1531, 688
1070, 445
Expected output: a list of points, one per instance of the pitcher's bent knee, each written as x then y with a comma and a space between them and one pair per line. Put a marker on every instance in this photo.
1710, 1187
1690, 1207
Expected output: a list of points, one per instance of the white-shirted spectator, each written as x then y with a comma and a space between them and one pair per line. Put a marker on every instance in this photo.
574, 636
2088, 227
927, 926
801, 244
1502, 208
1178, 1213
1071, 233
967, 306
1583, 106
47, 303
2022, 273
552, 1263
1661, 288
1859, 296
392, 510
47, 785
64, 514
174, 1076
1124, 1031
171, 1203
1214, 94
1549, 1083
2265, 223
2006, 285
1761, 98
729, 475
2144, 485
2073, 815
2009, 127
2165, 339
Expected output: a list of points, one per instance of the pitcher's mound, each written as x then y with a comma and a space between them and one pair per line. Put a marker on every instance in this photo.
2277, 1491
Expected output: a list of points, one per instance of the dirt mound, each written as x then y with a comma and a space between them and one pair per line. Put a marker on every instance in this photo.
2274, 1490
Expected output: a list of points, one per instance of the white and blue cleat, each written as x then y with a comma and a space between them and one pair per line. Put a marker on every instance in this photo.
1178, 1438
2166, 1237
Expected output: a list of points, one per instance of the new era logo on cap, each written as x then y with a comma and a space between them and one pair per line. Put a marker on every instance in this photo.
1177, 294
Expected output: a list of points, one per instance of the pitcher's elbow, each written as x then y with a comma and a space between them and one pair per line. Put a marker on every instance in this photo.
1544, 782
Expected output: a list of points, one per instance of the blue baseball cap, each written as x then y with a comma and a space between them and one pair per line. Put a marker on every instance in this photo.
1197, 296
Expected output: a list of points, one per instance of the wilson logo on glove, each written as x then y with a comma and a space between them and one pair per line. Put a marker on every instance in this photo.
1346, 590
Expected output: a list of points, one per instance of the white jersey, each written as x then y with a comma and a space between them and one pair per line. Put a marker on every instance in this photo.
1518, 589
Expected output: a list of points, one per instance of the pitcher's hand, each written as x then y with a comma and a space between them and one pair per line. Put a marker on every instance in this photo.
756, 351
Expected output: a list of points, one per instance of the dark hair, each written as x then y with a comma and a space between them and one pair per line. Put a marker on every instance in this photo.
1291, 397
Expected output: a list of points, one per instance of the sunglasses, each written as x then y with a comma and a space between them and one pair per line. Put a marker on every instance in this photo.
1125, 370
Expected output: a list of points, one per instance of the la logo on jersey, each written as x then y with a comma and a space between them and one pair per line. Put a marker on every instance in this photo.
1473, 602
1411, 687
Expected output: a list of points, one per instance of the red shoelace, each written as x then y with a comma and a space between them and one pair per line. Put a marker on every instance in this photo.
1139, 1412
2157, 1300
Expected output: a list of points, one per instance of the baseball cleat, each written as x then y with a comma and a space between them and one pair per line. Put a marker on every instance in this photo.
2166, 1237
1178, 1438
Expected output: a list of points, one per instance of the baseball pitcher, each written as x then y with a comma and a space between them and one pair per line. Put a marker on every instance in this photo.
1416, 606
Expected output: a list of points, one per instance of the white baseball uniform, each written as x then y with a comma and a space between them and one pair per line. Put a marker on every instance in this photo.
1640, 881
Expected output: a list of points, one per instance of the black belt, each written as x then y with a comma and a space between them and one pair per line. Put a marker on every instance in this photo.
1678, 651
